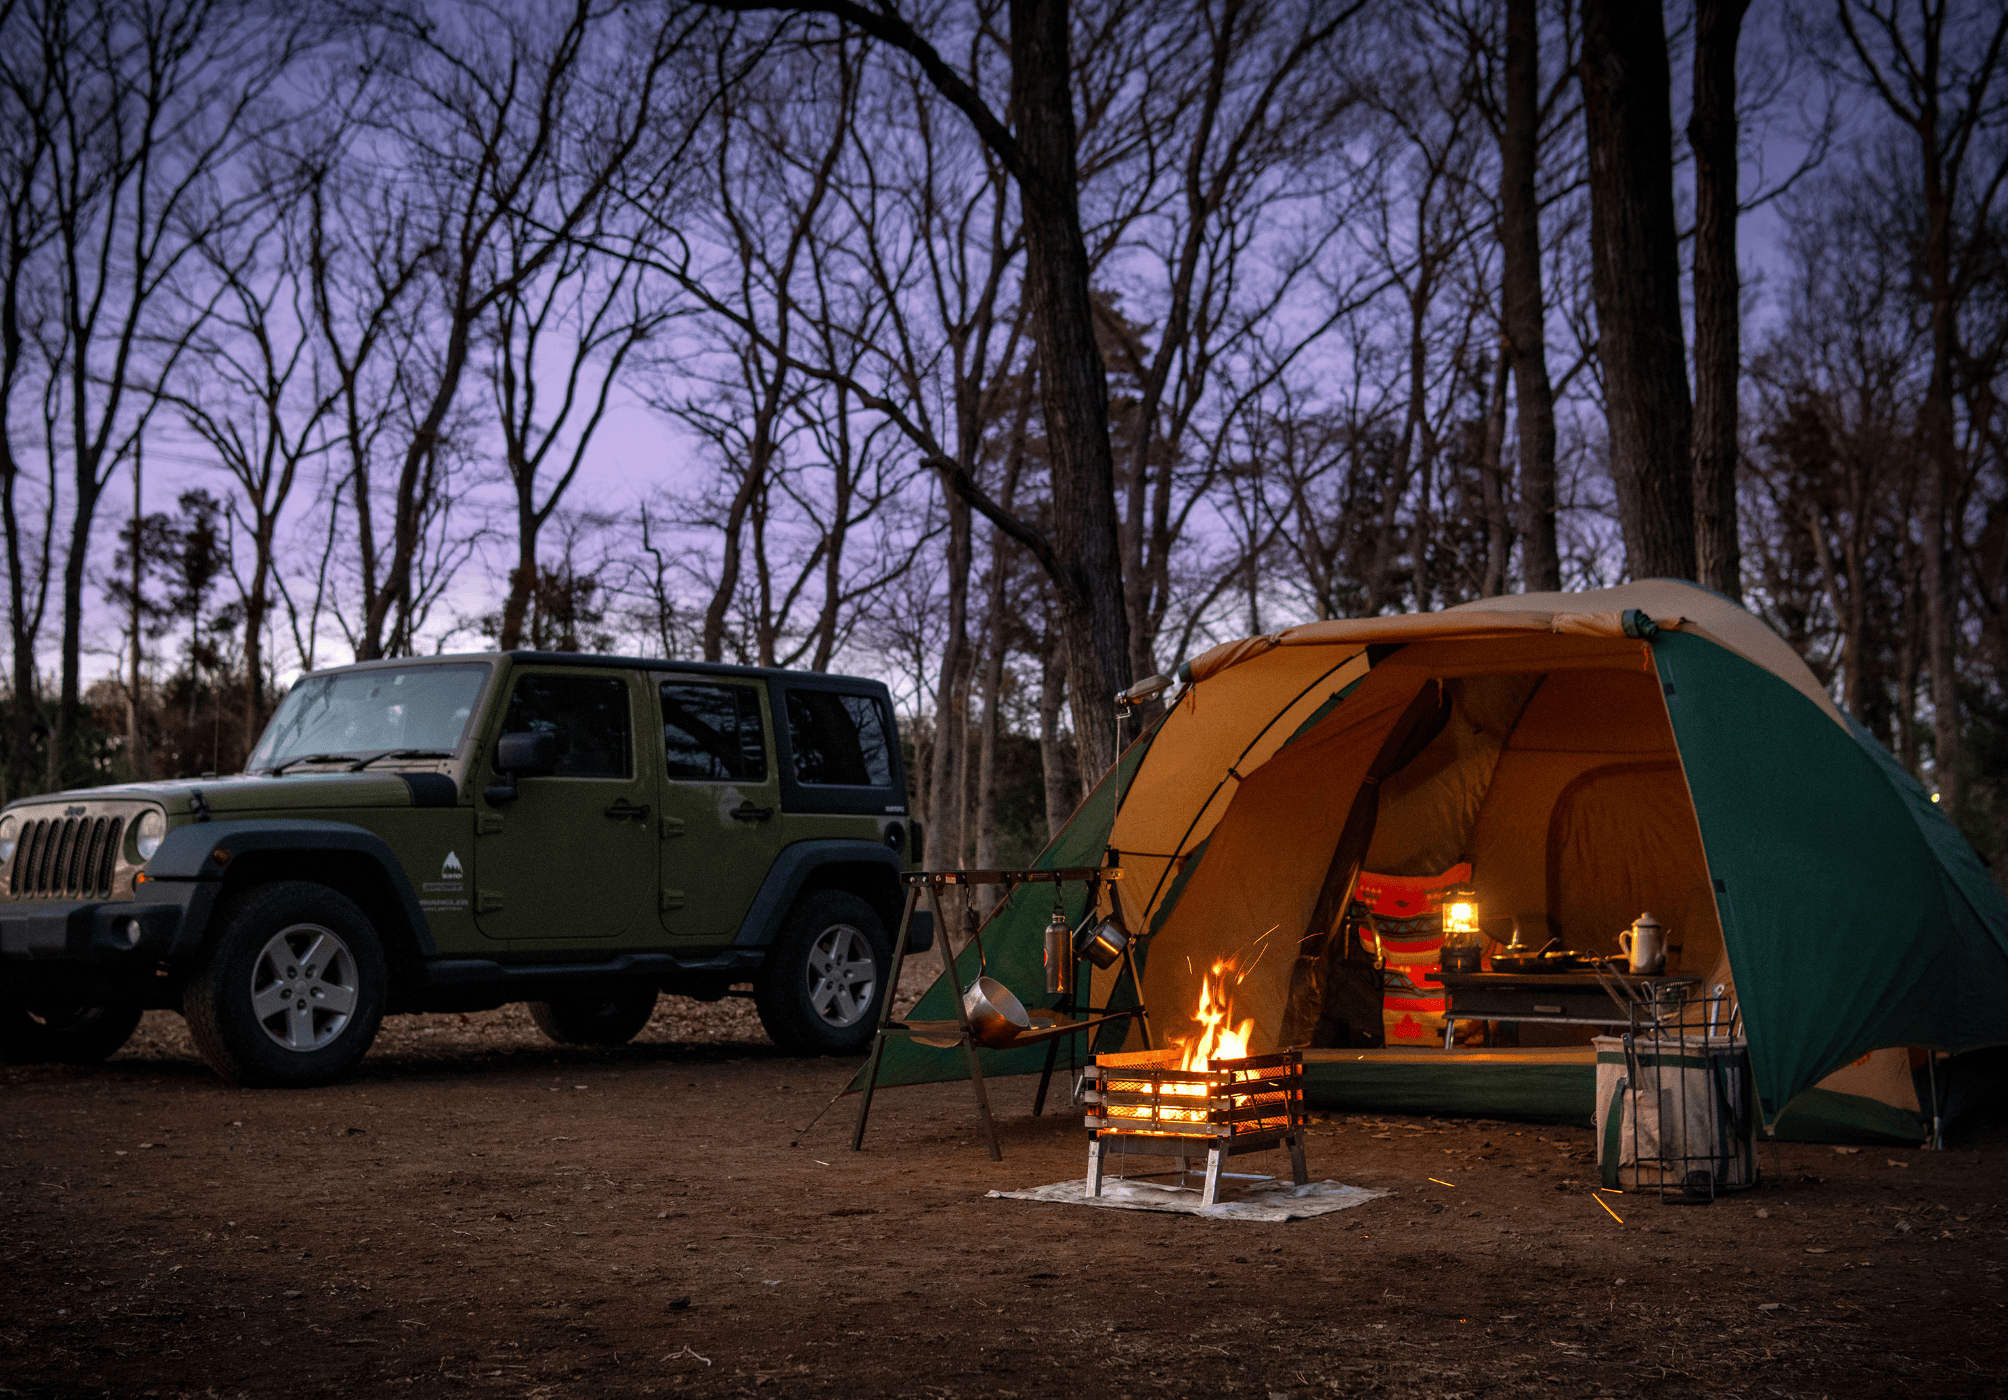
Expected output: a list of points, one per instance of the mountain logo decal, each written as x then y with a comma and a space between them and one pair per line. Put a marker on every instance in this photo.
450, 868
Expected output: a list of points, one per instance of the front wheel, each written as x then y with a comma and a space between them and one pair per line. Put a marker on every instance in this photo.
818, 993
292, 990
41, 1031
610, 1018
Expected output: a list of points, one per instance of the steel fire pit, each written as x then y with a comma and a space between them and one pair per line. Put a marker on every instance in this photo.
1143, 1102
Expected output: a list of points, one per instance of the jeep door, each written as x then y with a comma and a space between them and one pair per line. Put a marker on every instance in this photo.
721, 800
570, 856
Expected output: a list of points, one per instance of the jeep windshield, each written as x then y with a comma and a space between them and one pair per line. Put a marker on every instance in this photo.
383, 712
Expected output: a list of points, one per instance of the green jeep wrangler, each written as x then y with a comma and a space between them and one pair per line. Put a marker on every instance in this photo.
454, 833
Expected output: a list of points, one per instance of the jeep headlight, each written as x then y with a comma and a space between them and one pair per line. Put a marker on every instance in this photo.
148, 832
10, 828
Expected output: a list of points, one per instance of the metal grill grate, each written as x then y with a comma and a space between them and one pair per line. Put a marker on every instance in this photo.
66, 858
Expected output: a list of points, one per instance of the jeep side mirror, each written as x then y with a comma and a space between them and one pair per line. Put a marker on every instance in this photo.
529, 754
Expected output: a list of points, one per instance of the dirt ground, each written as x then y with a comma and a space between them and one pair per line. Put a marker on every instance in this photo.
482, 1213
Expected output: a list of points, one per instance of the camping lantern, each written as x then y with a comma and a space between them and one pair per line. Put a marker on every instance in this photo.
1460, 930
1059, 952
1460, 913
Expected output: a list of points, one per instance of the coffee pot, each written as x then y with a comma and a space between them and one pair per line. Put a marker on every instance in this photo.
1645, 944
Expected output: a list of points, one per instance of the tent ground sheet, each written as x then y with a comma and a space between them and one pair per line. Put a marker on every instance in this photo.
1553, 1085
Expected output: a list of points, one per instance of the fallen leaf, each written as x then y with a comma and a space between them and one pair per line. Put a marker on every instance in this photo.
1847, 1151
1893, 1162
1768, 1307
1814, 1249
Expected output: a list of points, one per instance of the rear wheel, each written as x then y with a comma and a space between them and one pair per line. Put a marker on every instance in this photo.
610, 1018
54, 1030
819, 990
292, 990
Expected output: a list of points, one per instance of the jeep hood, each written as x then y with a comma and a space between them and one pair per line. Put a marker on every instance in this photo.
243, 795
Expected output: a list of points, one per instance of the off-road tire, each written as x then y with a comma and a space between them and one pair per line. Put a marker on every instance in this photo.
244, 971
42, 1034
810, 992
609, 1018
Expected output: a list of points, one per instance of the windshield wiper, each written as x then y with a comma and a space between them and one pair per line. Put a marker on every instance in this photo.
363, 763
279, 768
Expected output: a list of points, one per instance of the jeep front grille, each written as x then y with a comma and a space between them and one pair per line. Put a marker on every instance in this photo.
66, 858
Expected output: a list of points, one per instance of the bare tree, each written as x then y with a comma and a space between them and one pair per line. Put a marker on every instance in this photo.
1718, 310
583, 314
1525, 343
1082, 553
254, 392
512, 128
1936, 72
1636, 274
26, 96
146, 111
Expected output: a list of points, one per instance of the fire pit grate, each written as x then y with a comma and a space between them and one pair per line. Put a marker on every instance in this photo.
1143, 1102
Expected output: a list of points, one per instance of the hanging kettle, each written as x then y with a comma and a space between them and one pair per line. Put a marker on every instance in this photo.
1102, 944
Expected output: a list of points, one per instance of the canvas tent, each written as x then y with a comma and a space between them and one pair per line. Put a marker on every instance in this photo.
1590, 756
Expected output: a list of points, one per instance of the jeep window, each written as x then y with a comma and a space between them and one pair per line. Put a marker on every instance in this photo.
713, 732
589, 714
362, 712
839, 740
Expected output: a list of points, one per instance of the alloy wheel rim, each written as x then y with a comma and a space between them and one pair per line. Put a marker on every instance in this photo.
304, 987
842, 976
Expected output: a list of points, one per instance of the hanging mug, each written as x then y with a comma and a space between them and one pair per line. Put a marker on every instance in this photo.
1645, 944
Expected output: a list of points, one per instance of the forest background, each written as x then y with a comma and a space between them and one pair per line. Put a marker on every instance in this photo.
1010, 350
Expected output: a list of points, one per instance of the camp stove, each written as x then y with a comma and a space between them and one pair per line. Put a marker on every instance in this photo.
1144, 1102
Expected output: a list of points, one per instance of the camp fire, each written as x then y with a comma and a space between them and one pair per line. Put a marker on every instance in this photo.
1204, 1093
1218, 1037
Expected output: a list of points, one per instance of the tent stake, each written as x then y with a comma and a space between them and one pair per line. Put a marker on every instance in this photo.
1937, 1114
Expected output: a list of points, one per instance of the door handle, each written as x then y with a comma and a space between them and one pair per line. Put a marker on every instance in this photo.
747, 812
621, 811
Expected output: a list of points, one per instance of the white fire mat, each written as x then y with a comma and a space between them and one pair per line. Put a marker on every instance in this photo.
1257, 1197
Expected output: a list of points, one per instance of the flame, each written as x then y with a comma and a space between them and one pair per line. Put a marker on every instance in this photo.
1218, 1037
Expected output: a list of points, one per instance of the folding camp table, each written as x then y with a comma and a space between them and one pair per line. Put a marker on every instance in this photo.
1049, 1026
1558, 998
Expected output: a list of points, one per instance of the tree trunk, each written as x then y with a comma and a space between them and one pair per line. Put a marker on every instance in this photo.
65, 757
136, 757
1718, 352
1525, 309
1073, 383
1941, 452
257, 605
1635, 277
522, 578
1052, 762
1493, 485
951, 697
